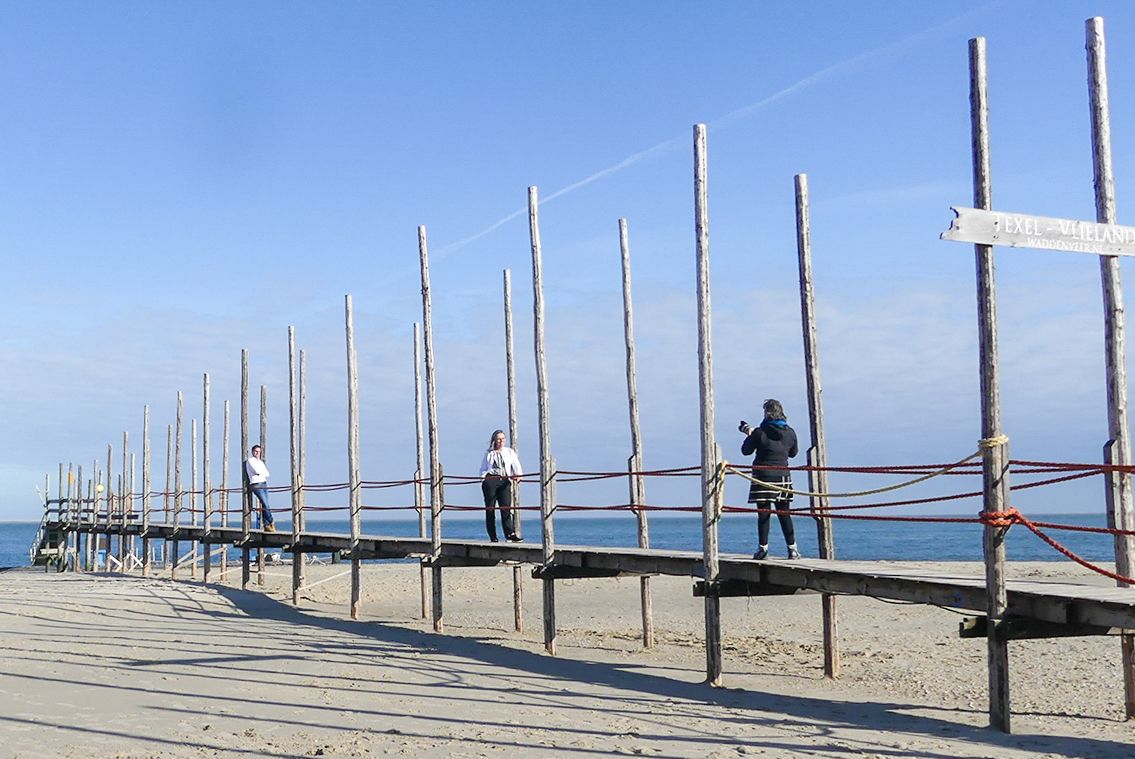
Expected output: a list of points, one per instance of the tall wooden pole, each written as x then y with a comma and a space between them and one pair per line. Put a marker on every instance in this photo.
245, 500
636, 480
419, 490
303, 453
711, 481
995, 453
510, 375
1117, 450
206, 480
260, 578
547, 462
176, 489
818, 453
353, 457
436, 485
224, 499
293, 427
125, 504
193, 494
145, 491
168, 491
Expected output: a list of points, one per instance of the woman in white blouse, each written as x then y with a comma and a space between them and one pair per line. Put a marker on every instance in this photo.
498, 469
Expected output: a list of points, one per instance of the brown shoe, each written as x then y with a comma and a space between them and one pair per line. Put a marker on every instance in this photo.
269, 528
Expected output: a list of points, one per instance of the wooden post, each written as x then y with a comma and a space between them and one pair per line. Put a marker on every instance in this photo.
193, 495
436, 489
547, 462
245, 500
166, 493
818, 453
145, 491
293, 428
124, 500
711, 481
419, 490
260, 579
635, 479
510, 374
206, 481
353, 457
995, 454
92, 538
225, 490
303, 453
176, 490
1117, 451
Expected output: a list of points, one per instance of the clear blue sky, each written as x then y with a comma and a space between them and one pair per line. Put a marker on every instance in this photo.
181, 180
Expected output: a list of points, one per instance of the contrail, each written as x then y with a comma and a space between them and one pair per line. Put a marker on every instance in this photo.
828, 72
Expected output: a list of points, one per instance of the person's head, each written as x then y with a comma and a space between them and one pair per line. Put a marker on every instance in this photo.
496, 440
773, 410
256, 450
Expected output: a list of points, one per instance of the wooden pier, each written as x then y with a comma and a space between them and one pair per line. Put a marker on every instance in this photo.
1036, 608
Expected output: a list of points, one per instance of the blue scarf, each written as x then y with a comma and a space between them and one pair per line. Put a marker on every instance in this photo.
781, 423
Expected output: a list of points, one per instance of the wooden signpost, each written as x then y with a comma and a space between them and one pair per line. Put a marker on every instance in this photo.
1018, 230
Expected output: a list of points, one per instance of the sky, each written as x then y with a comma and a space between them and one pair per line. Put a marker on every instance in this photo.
184, 180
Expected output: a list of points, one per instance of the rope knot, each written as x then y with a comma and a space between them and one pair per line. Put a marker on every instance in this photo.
1006, 518
992, 442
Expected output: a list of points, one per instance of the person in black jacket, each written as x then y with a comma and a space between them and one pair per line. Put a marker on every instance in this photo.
774, 442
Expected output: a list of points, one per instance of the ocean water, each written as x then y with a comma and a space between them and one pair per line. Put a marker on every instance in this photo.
859, 540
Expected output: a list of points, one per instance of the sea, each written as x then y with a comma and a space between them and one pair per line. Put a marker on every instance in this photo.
854, 539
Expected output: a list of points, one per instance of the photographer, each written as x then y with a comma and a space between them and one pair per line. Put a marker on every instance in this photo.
773, 442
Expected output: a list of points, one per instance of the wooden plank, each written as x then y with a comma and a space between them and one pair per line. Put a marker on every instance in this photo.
1020, 230
1022, 628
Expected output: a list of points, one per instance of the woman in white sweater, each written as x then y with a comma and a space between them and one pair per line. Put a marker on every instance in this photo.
499, 468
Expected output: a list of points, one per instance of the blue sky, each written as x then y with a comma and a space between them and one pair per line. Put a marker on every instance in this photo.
181, 180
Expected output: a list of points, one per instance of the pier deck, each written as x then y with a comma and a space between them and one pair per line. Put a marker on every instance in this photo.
1089, 609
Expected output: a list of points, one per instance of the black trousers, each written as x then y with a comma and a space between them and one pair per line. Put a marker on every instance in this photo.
498, 491
782, 513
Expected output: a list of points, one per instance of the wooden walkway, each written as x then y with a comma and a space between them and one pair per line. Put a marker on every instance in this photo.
1063, 608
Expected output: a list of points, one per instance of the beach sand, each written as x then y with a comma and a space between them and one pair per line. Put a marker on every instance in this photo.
107, 665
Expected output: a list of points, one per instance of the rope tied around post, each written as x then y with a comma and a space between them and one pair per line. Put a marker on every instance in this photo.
1006, 518
992, 442
719, 473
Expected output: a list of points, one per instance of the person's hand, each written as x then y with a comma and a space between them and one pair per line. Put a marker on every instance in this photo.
744, 427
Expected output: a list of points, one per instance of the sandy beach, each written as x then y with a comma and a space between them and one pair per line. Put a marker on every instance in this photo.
103, 665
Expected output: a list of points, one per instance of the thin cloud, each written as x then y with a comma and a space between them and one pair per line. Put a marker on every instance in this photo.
829, 72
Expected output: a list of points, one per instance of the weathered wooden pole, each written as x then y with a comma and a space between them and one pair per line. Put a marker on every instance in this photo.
711, 480
260, 578
224, 499
145, 491
110, 505
419, 490
994, 448
245, 499
436, 485
176, 490
293, 428
547, 462
1117, 450
125, 503
206, 481
353, 457
166, 493
510, 376
193, 494
635, 479
303, 454
818, 452
92, 539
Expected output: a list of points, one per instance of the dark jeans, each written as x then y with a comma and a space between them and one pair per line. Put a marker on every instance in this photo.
260, 490
498, 490
782, 514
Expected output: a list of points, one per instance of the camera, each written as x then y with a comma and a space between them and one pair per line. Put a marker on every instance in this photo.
743, 427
